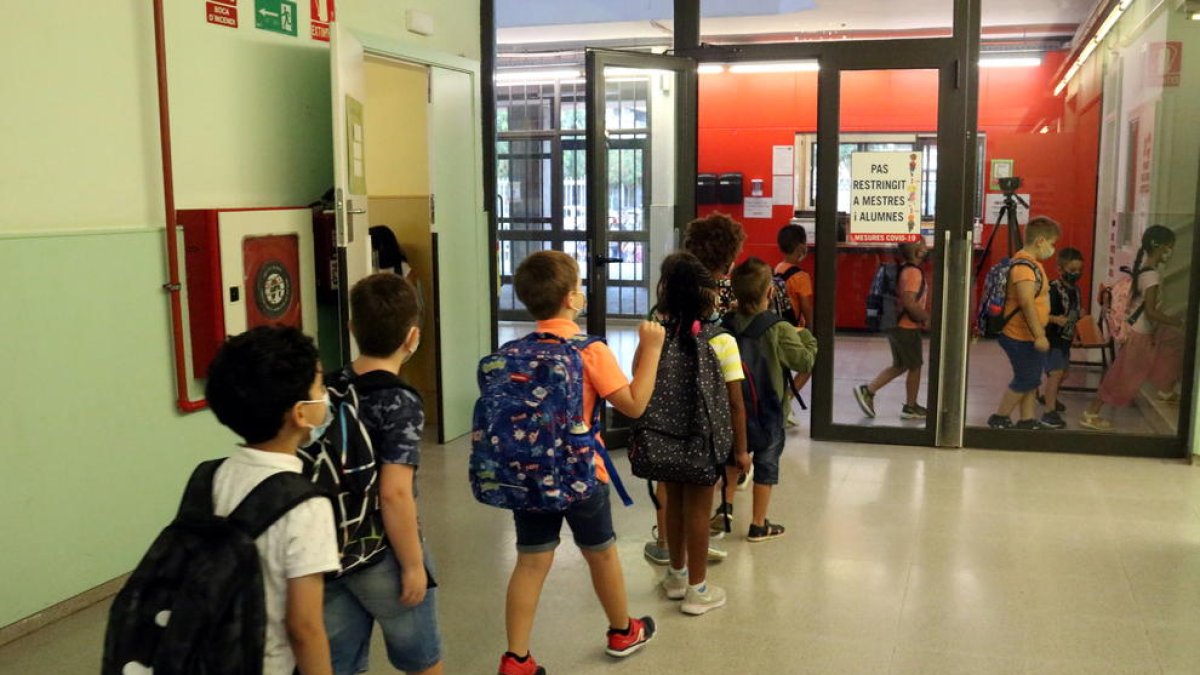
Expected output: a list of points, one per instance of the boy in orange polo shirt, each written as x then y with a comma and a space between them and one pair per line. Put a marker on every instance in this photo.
1024, 337
547, 282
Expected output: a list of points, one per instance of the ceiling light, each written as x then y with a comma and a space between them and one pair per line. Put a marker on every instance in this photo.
1196, 16
792, 67
1010, 62
537, 75
1102, 32
710, 69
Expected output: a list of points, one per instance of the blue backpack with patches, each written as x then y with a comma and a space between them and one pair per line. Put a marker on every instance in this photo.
531, 449
990, 319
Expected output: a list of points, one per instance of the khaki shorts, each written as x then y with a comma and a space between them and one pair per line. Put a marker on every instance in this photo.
907, 349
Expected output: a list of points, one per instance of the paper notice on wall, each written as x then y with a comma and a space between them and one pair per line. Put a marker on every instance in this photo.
995, 202
757, 207
885, 197
783, 190
783, 159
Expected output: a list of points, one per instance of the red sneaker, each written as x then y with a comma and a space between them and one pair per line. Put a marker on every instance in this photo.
509, 665
640, 632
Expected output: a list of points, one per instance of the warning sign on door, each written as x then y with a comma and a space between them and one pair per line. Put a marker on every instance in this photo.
222, 13
885, 197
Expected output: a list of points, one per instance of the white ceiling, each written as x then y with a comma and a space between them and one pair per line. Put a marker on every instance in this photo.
828, 16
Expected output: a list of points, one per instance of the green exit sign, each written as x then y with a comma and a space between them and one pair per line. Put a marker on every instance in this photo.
277, 16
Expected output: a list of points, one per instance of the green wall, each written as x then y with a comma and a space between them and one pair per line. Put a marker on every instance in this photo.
95, 453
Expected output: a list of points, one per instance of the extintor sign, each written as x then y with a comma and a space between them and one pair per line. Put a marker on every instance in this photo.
322, 15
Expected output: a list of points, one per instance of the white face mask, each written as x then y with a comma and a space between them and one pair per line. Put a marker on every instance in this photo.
315, 433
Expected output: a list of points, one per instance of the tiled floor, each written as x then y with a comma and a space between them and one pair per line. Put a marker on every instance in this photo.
897, 560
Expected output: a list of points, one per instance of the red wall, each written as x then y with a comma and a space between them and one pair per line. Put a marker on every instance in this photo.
741, 116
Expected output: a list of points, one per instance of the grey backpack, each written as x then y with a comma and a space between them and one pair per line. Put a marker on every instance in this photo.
685, 434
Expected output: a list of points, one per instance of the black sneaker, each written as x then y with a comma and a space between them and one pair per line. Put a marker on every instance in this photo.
766, 532
1053, 420
1029, 425
913, 412
1058, 405
722, 519
866, 400
1000, 422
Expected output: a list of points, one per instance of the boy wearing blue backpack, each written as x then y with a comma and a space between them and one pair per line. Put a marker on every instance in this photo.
771, 349
525, 439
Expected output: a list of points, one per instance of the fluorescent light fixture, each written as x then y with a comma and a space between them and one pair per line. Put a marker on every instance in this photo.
791, 67
1195, 16
537, 75
1102, 32
710, 69
1010, 61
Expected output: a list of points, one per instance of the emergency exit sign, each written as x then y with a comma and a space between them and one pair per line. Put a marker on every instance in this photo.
276, 16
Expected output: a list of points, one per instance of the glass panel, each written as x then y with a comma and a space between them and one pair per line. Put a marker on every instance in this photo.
1112, 156
615, 23
749, 21
886, 222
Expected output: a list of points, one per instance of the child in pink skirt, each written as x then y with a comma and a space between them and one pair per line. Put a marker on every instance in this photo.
1154, 350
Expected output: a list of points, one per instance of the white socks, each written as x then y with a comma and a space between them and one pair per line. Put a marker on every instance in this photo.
679, 573
700, 588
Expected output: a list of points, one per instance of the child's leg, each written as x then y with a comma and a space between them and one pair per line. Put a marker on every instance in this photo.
912, 386
1009, 402
524, 591
676, 534
609, 584
1054, 380
762, 501
660, 514
1029, 405
730, 486
885, 376
766, 475
697, 500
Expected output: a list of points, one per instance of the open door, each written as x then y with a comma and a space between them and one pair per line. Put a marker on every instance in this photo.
641, 176
349, 94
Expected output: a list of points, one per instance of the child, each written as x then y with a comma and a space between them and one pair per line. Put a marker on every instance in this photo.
782, 350
265, 385
1024, 338
905, 338
793, 242
547, 282
686, 295
394, 592
1065, 307
1152, 352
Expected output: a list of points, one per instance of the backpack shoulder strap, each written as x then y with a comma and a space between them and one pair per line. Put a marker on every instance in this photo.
792, 271
270, 500
760, 325
197, 499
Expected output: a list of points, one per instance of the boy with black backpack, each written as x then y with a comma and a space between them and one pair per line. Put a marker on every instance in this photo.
899, 291
369, 458
537, 451
771, 349
235, 584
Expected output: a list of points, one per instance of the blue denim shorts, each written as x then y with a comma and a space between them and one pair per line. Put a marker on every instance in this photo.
1058, 359
1027, 364
766, 464
353, 604
590, 521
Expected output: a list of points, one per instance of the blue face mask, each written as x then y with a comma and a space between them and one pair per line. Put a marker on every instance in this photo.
315, 433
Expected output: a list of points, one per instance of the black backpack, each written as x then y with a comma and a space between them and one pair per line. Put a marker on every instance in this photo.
684, 436
765, 412
344, 463
782, 303
195, 605
883, 301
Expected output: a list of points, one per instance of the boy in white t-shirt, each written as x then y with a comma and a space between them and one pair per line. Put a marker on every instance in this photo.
266, 386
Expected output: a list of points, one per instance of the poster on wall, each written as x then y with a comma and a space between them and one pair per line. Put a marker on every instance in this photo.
322, 13
355, 155
995, 202
757, 207
885, 197
222, 13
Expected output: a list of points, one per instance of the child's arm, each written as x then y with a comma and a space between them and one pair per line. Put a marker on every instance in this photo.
1154, 311
1026, 291
913, 307
399, 508
806, 310
631, 401
737, 419
305, 622
797, 350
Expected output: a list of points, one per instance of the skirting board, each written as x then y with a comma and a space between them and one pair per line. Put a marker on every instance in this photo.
62, 610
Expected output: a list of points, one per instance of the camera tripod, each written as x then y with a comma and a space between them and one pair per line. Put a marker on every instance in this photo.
1007, 215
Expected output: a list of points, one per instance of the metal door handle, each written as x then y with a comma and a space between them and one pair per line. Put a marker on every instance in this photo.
356, 212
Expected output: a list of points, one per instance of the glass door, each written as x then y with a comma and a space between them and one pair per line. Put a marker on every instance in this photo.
641, 166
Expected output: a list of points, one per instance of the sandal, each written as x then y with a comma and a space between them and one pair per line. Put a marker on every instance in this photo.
765, 532
1095, 422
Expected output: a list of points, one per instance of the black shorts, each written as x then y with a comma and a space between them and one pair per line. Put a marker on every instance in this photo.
590, 521
908, 352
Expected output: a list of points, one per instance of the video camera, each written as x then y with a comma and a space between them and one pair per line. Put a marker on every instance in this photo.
1010, 185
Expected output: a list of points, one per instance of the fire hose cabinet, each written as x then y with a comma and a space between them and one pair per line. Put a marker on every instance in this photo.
246, 268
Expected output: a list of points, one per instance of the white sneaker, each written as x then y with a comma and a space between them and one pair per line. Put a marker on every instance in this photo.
695, 603
675, 586
745, 480
716, 555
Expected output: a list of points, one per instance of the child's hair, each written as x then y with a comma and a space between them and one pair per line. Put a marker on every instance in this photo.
751, 282
1042, 227
907, 249
790, 238
715, 240
383, 309
1069, 255
256, 377
686, 292
1154, 238
543, 281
